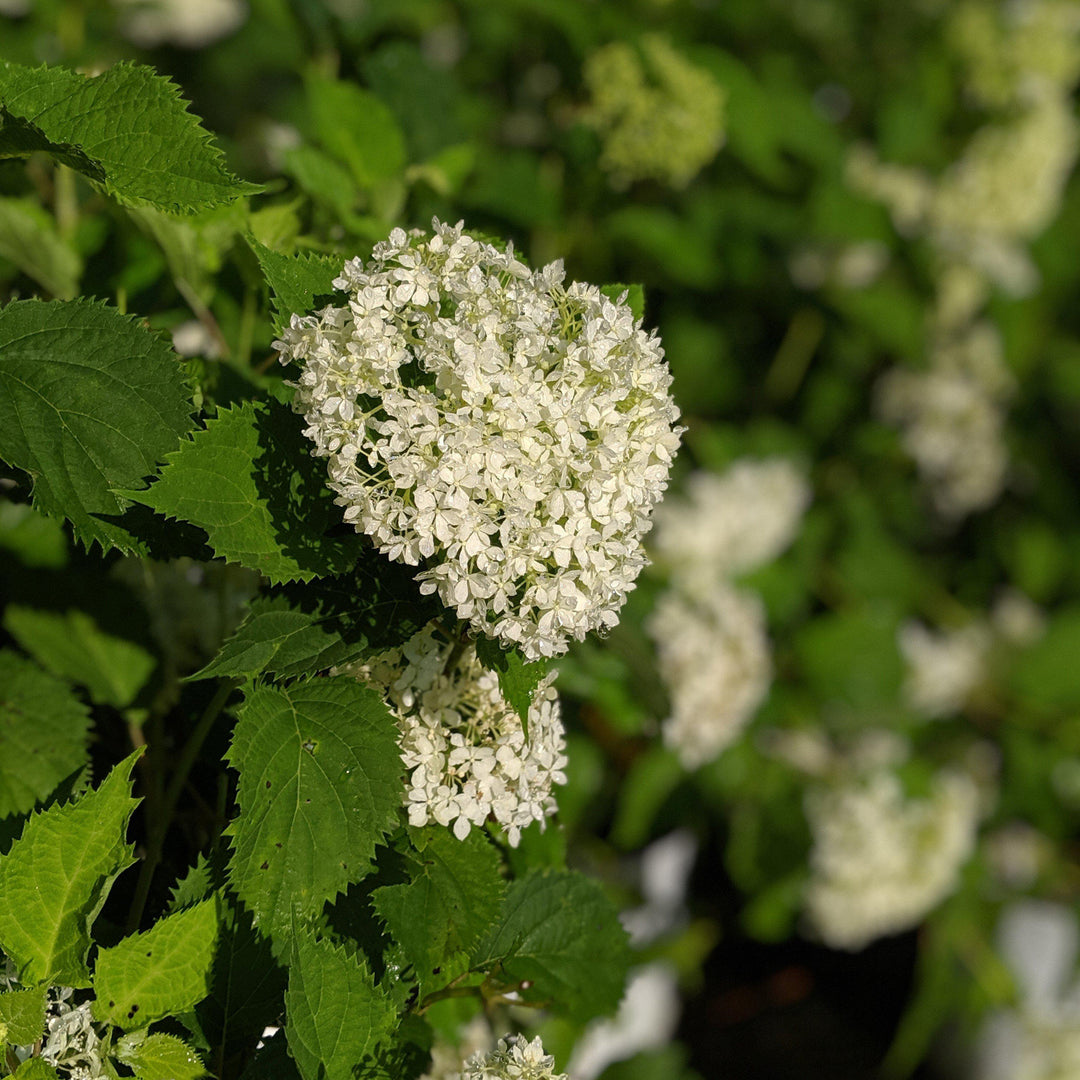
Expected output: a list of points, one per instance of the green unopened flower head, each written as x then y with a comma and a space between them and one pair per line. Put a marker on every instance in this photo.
660, 117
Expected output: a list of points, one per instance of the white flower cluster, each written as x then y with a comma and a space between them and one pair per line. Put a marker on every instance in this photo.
943, 668
660, 116
953, 419
70, 1042
1040, 1039
509, 433
713, 655
188, 23
711, 640
729, 524
880, 862
513, 1059
464, 747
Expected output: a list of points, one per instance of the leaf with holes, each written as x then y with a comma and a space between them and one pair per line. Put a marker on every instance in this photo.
162, 971
126, 129
320, 785
250, 483
57, 875
90, 401
43, 733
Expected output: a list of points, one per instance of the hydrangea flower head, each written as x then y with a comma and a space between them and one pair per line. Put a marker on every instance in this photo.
513, 1059
505, 431
465, 748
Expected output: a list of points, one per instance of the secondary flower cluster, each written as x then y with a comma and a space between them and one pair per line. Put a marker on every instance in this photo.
881, 861
509, 432
513, 1059
465, 748
711, 637
660, 116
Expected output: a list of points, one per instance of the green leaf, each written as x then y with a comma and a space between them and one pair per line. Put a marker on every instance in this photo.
559, 932
73, 646
518, 678
22, 1012
57, 875
454, 894
355, 126
43, 733
90, 400
35, 1068
1045, 674
334, 1014
159, 1057
247, 984
162, 971
127, 129
635, 297
302, 629
197, 884
320, 784
250, 483
29, 239
299, 283
34, 539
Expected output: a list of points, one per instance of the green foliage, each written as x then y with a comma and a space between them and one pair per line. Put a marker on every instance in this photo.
90, 401
35, 1069
29, 238
299, 283
72, 646
43, 734
558, 933
57, 875
635, 297
159, 1057
454, 893
128, 129
335, 1015
249, 482
320, 784
161, 972
518, 678
22, 1014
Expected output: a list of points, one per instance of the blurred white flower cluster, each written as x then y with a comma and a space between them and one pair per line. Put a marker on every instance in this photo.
188, 23
945, 667
448, 1058
1040, 1038
509, 432
513, 1059
464, 747
953, 419
660, 116
880, 861
711, 639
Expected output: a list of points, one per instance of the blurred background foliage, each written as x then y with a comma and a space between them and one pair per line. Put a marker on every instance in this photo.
856, 227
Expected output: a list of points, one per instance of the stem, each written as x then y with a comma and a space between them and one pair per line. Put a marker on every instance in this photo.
447, 992
184, 764
65, 202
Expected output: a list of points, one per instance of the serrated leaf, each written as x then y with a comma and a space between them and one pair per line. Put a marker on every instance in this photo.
302, 629
90, 400
247, 984
635, 297
159, 1057
127, 129
518, 678
71, 645
356, 127
35, 1068
334, 1014
57, 875
43, 733
320, 785
249, 481
299, 283
197, 884
454, 894
560, 933
29, 239
22, 1012
161, 971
